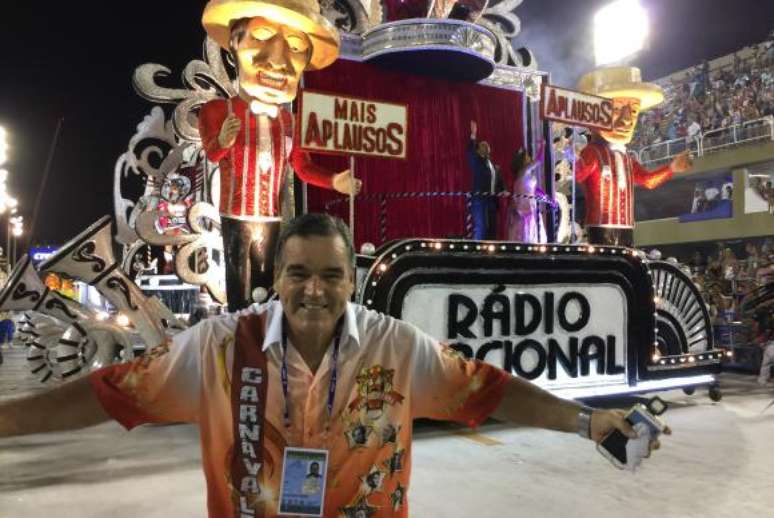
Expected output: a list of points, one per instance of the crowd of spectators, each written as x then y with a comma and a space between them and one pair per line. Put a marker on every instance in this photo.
724, 279
708, 98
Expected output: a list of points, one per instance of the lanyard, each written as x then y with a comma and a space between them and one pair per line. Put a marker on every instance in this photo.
334, 373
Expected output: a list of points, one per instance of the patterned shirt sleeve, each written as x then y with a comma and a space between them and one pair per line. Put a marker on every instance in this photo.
161, 386
447, 386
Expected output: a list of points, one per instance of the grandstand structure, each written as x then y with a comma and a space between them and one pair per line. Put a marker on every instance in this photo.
723, 112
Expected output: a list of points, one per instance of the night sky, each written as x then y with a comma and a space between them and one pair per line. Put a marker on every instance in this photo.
69, 60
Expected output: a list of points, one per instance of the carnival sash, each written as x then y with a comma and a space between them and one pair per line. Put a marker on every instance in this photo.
249, 384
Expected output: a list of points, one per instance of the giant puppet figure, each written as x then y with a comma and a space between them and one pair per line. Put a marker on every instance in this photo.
604, 168
251, 135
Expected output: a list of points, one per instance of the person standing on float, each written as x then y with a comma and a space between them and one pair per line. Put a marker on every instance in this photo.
251, 135
487, 180
606, 171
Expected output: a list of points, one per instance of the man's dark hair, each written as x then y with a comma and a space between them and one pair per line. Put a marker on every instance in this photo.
314, 224
518, 161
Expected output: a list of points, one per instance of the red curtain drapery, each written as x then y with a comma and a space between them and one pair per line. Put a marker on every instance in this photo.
439, 115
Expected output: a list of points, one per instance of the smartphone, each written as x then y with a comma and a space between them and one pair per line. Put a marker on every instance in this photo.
613, 446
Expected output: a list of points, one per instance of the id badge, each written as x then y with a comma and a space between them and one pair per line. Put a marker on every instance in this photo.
302, 488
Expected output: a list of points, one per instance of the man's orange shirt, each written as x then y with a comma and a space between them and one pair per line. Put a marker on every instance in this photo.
389, 373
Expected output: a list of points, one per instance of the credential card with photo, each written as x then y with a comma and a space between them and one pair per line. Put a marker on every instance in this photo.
302, 488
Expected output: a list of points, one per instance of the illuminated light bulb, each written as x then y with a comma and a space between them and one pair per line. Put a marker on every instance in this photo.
663, 362
383, 267
502, 247
491, 248
590, 249
451, 247
656, 357
543, 249
701, 356
369, 302
438, 246
730, 354
691, 359
422, 245
465, 247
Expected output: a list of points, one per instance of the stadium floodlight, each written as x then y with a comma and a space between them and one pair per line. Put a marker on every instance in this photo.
620, 30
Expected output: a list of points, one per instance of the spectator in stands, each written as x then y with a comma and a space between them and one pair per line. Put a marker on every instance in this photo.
753, 258
699, 201
715, 98
697, 262
765, 341
694, 129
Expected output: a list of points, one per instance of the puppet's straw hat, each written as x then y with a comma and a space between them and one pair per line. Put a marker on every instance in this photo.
303, 15
613, 82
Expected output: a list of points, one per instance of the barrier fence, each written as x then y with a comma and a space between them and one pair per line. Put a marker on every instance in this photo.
757, 130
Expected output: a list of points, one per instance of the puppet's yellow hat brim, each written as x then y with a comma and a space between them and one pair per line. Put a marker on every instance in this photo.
303, 15
613, 82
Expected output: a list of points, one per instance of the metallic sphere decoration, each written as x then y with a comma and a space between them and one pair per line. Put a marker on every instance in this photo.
368, 249
260, 294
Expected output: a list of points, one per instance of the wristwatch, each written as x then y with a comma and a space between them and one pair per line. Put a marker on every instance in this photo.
584, 421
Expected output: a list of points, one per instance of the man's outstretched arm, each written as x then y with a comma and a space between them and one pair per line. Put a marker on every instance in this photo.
526, 404
68, 407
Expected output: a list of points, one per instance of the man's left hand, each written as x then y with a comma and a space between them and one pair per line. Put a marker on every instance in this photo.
682, 163
343, 182
605, 421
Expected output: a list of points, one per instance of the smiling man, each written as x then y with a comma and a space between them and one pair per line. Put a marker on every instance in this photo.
309, 376
251, 135
605, 169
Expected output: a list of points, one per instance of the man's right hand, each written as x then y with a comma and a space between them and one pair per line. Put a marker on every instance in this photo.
229, 131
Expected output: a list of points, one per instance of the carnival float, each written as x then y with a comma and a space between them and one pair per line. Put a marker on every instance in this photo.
388, 112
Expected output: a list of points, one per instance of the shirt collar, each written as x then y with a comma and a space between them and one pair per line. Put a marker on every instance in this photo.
617, 147
259, 108
274, 326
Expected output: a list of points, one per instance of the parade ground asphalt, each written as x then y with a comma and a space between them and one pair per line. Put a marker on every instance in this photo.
719, 462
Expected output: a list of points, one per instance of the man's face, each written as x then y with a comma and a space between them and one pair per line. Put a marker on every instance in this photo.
270, 58
314, 281
483, 149
625, 111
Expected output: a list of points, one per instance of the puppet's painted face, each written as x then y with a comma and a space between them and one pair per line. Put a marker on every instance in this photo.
625, 111
271, 58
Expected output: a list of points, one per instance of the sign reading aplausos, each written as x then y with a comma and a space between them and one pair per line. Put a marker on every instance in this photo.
576, 108
560, 336
347, 125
